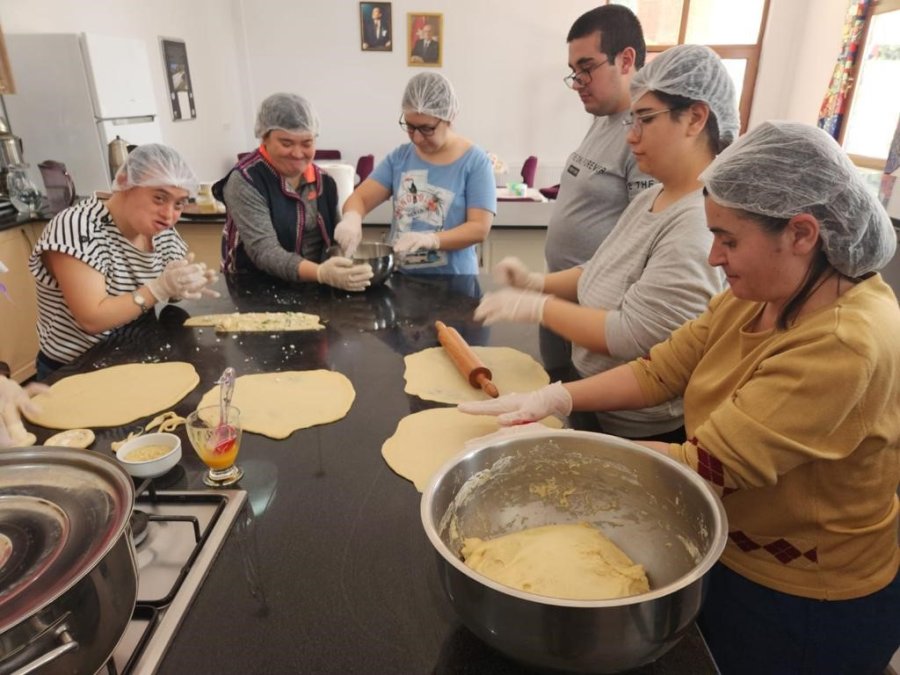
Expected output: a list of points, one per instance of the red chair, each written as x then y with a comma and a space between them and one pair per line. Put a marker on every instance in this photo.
328, 154
529, 168
364, 166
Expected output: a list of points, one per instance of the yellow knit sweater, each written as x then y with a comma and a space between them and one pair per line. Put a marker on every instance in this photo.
799, 431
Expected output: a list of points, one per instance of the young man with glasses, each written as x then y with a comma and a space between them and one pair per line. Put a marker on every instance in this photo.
606, 47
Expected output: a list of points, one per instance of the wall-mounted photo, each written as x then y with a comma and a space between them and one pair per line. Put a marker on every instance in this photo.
178, 79
375, 31
425, 36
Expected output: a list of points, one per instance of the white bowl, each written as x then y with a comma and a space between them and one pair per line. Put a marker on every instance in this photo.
153, 467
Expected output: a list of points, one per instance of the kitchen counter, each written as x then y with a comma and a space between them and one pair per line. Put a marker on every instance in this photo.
330, 570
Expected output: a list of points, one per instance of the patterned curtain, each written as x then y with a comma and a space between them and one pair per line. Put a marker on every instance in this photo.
831, 114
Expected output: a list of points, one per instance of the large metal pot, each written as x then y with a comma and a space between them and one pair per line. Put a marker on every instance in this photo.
68, 580
662, 514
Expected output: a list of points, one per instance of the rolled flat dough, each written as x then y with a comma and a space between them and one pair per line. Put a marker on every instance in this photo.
572, 561
277, 404
244, 322
425, 440
431, 375
111, 397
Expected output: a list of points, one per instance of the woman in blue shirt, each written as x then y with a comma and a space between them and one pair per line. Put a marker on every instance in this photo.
444, 197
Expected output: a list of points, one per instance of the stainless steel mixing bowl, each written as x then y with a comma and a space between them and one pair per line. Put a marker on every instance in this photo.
379, 256
661, 513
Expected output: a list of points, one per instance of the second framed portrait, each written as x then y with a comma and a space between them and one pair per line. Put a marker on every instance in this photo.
375, 31
426, 35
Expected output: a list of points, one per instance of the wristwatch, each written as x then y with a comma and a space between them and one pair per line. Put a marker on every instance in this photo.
140, 301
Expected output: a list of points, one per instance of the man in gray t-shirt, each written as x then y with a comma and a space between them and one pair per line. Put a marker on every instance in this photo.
606, 47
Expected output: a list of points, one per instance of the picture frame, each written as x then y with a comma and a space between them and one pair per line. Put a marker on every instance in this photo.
376, 33
178, 79
425, 33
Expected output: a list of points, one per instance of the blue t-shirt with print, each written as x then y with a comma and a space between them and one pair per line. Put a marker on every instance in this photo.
433, 197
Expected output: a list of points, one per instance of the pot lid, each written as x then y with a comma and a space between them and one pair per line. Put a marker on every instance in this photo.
61, 511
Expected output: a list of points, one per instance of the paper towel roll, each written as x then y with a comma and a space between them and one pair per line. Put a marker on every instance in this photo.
343, 175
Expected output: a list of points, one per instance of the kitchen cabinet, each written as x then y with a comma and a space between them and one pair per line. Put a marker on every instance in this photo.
18, 312
525, 243
204, 240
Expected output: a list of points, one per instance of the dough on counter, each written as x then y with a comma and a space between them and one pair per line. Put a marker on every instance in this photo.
243, 322
572, 561
425, 440
277, 404
430, 374
111, 397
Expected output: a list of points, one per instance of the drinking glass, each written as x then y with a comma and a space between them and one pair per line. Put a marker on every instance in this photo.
23, 193
217, 442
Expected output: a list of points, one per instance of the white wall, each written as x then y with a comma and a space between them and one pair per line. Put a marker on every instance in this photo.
505, 57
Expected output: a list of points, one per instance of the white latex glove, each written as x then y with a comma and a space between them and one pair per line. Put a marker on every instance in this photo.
183, 279
554, 399
512, 272
14, 400
514, 305
416, 241
342, 273
348, 232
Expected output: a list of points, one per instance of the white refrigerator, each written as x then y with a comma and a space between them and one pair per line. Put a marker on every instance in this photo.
74, 94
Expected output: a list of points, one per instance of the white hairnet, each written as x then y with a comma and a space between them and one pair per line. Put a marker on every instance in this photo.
155, 165
287, 112
430, 94
781, 169
695, 72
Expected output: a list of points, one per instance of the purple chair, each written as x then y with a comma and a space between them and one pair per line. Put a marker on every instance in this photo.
550, 192
364, 166
328, 154
529, 168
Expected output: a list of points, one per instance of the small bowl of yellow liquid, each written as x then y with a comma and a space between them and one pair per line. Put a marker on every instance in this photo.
150, 455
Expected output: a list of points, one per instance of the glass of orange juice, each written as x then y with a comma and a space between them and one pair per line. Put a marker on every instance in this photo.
217, 440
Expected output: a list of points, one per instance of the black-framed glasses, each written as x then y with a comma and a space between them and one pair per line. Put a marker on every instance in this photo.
636, 122
582, 77
424, 129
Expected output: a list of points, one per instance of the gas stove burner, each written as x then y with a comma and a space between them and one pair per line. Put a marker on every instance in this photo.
139, 522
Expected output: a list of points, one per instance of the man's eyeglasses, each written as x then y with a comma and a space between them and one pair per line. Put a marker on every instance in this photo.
424, 129
582, 77
636, 122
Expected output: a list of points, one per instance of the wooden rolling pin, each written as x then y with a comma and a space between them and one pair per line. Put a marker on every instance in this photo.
466, 361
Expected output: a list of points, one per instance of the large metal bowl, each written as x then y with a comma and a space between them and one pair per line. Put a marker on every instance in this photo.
379, 256
662, 514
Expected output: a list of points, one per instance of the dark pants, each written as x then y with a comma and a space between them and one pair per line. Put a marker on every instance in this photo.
751, 629
45, 366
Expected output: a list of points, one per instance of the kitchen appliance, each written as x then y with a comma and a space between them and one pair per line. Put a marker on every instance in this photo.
59, 185
118, 153
660, 513
77, 93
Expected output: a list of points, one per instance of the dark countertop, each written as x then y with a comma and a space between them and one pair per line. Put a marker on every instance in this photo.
11, 220
334, 573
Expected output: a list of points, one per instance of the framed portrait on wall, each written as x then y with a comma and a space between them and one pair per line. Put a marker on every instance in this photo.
375, 32
178, 79
425, 33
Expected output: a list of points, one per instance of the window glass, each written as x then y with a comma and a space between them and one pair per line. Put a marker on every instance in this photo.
876, 98
660, 19
713, 22
736, 68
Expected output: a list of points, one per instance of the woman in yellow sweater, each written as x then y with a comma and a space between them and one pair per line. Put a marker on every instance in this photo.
791, 387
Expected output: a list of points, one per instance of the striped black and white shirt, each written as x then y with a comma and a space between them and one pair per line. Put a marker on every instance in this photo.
87, 232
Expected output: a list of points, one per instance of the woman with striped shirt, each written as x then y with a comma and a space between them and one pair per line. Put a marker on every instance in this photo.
101, 264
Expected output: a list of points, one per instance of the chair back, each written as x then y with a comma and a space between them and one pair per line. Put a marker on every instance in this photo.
529, 168
364, 166
328, 154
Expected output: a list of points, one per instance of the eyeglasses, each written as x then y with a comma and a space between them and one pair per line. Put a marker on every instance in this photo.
636, 122
424, 129
582, 77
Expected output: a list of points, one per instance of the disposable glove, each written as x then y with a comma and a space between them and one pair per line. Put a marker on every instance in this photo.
554, 399
511, 304
348, 232
183, 279
512, 272
342, 273
416, 241
14, 400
